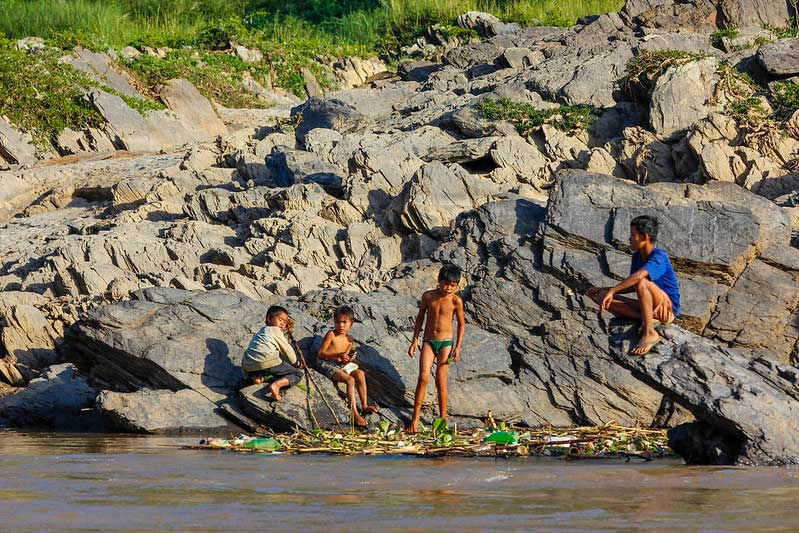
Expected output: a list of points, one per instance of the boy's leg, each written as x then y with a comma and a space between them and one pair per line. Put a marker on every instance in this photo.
285, 375
360, 384
425, 364
349, 381
275, 386
650, 296
621, 306
442, 375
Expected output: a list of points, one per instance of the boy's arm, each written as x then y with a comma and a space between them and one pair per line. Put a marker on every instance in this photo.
417, 328
284, 347
326, 353
622, 287
461, 328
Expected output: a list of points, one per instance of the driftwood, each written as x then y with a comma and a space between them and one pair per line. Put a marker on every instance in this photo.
608, 441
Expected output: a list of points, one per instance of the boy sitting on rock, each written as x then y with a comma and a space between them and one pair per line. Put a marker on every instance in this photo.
653, 280
262, 360
335, 360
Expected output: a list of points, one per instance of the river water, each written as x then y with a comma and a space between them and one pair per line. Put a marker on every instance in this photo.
115, 483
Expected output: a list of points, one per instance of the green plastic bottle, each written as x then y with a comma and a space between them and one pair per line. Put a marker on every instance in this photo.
502, 437
262, 444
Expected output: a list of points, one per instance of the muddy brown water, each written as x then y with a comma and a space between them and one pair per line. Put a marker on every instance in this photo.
121, 483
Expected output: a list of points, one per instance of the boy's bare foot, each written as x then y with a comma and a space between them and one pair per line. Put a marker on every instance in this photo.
275, 392
257, 380
369, 409
360, 421
645, 344
412, 429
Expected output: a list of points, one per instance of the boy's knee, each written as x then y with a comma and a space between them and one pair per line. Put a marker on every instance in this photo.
596, 294
423, 379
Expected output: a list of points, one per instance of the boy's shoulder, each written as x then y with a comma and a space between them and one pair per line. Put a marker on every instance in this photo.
662, 253
429, 294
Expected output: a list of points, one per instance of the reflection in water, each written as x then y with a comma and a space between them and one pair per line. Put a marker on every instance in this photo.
116, 483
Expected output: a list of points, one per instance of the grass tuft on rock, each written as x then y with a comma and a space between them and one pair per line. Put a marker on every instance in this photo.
42, 96
644, 69
718, 35
786, 98
526, 118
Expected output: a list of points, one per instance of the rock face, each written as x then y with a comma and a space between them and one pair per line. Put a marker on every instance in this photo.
781, 57
15, 148
151, 271
680, 96
160, 411
53, 400
750, 404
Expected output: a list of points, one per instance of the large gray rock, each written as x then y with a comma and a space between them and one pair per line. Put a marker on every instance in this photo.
167, 339
681, 95
436, 195
753, 403
299, 408
754, 13
98, 65
288, 167
192, 108
53, 400
16, 148
331, 114
160, 411
780, 58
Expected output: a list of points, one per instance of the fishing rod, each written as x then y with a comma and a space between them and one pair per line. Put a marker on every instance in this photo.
309, 378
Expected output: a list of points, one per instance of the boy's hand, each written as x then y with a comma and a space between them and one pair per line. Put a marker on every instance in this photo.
607, 300
345, 358
456, 354
413, 348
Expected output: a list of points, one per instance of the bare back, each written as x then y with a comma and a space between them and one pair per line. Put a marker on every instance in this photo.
440, 310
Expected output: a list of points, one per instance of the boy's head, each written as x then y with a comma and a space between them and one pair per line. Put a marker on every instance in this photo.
343, 317
643, 229
277, 316
449, 277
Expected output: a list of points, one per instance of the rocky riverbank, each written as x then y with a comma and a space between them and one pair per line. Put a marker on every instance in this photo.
136, 269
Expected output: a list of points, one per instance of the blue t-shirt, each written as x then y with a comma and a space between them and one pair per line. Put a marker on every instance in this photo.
661, 274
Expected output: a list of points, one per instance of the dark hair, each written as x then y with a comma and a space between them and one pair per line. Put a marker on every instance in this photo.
646, 224
274, 310
344, 310
449, 273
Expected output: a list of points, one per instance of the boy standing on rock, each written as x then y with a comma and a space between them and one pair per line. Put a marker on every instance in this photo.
653, 280
262, 359
436, 311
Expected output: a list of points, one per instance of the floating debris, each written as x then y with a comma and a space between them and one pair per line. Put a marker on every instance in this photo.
591, 442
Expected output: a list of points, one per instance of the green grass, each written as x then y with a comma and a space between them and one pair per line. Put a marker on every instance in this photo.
786, 97
42, 96
784, 33
525, 117
718, 35
49, 100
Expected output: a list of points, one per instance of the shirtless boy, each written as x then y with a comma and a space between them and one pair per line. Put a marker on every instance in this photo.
437, 309
338, 349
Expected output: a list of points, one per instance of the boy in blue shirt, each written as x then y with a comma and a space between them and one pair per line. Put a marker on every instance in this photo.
653, 280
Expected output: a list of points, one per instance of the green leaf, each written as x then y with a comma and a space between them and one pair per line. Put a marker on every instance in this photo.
439, 426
